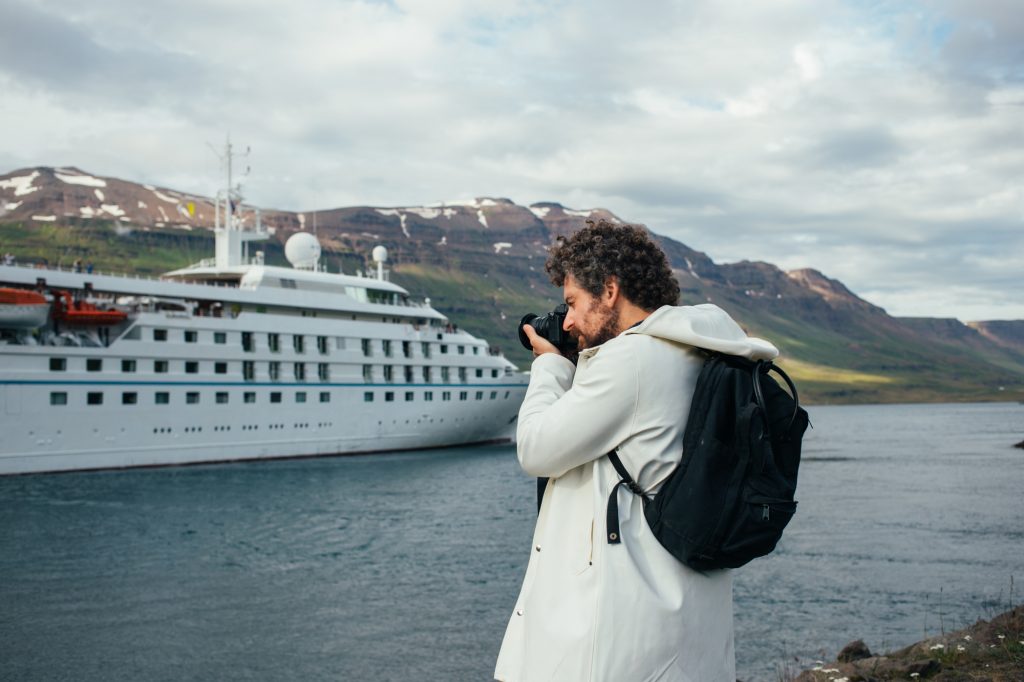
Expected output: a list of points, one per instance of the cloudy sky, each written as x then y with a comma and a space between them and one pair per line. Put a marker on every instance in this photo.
879, 142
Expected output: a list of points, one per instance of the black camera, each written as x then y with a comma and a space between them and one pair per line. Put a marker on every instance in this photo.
549, 327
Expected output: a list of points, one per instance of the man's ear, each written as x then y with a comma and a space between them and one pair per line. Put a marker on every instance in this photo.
611, 292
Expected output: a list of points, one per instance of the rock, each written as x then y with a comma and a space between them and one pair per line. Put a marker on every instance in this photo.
1020, 445
924, 668
854, 651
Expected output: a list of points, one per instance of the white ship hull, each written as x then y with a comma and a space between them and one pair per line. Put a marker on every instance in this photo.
261, 380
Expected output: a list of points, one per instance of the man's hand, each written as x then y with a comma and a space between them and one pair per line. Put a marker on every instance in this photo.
540, 346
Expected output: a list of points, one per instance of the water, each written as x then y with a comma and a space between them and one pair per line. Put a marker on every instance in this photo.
406, 566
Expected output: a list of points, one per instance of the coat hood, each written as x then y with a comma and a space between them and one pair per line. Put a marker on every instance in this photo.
704, 326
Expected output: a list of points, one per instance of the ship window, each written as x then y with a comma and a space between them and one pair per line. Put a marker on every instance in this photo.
275, 397
160, 366
247, 344
222, 397
299, 343
367, 348
407, 349
323, 371
444, 348
494, 374
408, 374
220, 337
426, 374
425, 347
274, 370
476, 350
58, 364
220, 367
248, 370
300, 397
387, 347
367, 373
93, 365
368, 396
462, 350
388, 373
428, 395
192, 398
494, 395
446, 395
325, 396
287, 283
389, 396
321, 345
479, 395
299, 371
463, 395
58, 398
94, 398
162, 397
191, 336
409, 396
507, 393
127, 365
446, 374
191, 367
274, 342
249, 397
479, 373
129, 398
133, 334
159, 334
462, 374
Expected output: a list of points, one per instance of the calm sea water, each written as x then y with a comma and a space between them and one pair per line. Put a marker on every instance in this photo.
406, 566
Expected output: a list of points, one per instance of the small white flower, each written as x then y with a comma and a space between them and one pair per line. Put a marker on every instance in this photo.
1001, 636
830, 670
960, 647
915, 675
967, 638
937, 646
991, 646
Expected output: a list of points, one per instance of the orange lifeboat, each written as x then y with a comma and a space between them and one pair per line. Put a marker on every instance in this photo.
22, 309
70, 311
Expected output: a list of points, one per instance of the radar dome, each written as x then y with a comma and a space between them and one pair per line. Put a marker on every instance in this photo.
380, 254
303, 251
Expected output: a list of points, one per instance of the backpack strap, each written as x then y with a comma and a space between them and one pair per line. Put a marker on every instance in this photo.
612, 511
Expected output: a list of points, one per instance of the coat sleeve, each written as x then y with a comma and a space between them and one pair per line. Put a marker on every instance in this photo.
564, 423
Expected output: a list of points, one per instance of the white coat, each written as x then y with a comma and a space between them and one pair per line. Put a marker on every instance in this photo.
631, 612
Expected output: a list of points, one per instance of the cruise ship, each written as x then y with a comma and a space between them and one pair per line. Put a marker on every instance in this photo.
234, 359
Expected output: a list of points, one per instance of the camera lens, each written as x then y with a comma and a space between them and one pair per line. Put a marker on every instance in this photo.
528, 318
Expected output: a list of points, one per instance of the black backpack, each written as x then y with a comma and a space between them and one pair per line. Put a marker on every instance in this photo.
730, 497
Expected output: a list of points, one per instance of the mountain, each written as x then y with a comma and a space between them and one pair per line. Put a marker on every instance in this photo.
481, 262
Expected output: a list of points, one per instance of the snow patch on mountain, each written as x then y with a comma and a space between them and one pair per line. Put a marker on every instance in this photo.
482, 218
21, 184
164, 197
579, 214
112, 209
45, 218
501, 246
426, 213
99, 195
79, 179
540, 211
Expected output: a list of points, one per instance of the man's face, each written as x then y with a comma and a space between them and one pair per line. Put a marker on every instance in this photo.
590, 319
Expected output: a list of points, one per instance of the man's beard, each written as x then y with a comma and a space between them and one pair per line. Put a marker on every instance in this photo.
607, 330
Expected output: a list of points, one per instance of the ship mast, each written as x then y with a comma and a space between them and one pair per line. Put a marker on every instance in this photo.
231, 239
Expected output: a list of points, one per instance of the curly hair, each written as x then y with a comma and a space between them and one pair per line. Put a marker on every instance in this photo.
625, 252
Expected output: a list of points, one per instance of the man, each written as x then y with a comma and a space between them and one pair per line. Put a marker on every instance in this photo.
627, 612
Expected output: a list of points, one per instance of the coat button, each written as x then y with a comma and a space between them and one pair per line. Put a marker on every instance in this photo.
519, 612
